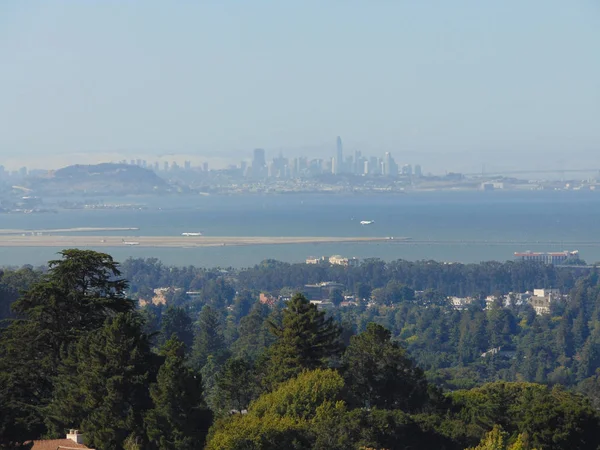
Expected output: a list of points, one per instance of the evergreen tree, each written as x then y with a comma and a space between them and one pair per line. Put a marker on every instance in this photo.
254, 336
378, 373
209, 339
179, 419
336, 297
236, 385
73, 299
306, 339
242, 304
103, 386
176, 321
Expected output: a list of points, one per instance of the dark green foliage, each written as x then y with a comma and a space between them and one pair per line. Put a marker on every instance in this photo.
179, 418
336, 297
103, 385
551, 418
78, 356
378, 373
242, 304
72, 300
306, 339
236, 385
176, 321
393, 292
253, 334
209, 339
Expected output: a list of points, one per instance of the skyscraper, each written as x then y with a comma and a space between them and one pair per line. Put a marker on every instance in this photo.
390, 168
258, 163
339, 156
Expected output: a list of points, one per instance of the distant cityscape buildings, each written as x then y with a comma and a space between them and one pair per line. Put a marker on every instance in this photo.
338, 164
547, 257
280, 167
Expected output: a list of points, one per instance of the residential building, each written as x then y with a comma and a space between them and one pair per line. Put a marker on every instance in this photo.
542, 299
313, 260
266, 299
338, 260
74, 440
461, 303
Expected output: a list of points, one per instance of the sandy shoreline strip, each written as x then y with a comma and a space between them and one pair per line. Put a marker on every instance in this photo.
169, 241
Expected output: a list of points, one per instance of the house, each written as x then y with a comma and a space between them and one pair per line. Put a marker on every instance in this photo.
73, 441
313, 260
337, 260
266, 299
460, 303
543, 298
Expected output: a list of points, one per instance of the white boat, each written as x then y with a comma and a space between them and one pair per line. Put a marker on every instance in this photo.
366, 222
191, 234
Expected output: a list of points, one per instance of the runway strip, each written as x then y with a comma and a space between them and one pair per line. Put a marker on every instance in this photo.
169, 241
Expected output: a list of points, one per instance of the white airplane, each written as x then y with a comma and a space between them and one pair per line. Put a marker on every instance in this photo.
130, 242
366, 222
191, 234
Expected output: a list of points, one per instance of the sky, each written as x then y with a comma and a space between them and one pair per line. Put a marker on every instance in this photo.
452, 85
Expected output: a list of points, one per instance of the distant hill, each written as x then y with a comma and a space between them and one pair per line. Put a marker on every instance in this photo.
106, 178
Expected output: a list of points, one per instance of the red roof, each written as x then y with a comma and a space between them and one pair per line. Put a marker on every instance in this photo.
56, 444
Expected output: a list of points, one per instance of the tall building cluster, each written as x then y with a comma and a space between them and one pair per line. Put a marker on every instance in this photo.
338, 164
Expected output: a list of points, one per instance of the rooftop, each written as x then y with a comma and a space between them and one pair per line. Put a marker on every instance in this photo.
57, 444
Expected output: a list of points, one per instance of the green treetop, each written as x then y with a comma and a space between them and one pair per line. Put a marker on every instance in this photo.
306, 339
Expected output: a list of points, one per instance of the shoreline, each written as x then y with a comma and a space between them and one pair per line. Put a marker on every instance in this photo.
172, 241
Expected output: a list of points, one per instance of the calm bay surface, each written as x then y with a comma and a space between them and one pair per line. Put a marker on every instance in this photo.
560, 217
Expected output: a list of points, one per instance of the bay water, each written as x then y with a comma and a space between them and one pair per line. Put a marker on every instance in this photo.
446, 226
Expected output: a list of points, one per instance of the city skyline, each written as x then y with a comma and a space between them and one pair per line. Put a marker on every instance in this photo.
456, 85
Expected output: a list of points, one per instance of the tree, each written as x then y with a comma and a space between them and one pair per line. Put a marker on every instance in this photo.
336, 297
236, 385
548, 418
103, 385
179, 418
497, 439
72, 300
242, 304
279, 419
254, 336
378, 373
209, 340
306, 339
176, 321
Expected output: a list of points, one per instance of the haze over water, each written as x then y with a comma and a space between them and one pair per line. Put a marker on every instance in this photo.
527, 218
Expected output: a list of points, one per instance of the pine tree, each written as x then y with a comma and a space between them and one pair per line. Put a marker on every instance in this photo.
179, 419
379, 374
236, 385
254, 337
176, 321
73, 299
103, 386
306, 339
209, 339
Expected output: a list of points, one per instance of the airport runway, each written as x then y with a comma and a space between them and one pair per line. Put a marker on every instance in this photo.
168, 241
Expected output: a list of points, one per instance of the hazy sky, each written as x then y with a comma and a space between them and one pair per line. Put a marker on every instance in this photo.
445, 83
